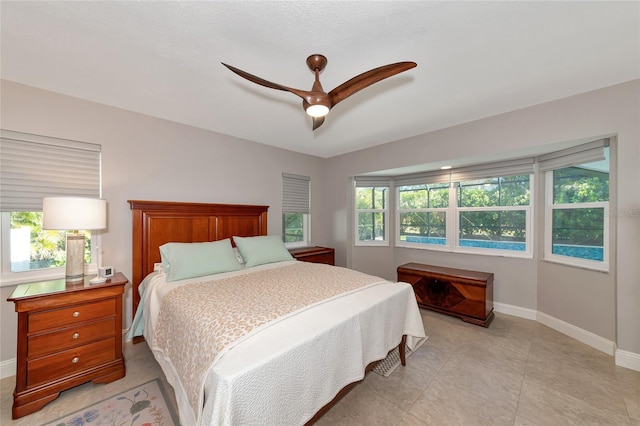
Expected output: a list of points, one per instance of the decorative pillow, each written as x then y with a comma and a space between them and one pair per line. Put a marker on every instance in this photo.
187, 260
263, 249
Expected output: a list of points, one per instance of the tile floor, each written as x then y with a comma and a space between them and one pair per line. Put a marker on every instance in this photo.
516, 372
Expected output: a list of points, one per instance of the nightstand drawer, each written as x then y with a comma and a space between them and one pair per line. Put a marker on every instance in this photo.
70, 337
48, 368
41, 321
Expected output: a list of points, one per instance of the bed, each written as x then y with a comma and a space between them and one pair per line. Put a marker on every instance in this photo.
296, 358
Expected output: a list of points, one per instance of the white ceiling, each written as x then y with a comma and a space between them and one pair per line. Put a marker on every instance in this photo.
475, 59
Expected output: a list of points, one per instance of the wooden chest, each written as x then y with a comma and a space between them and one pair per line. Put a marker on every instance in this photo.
458, 292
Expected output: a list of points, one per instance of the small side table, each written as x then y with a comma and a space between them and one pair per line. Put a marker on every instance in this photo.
314, 255
68, 334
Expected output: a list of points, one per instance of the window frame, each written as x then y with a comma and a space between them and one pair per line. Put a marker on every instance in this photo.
527, 253
296, 199
550, 207
306, 232
385, 211
452, 224
10, 278
448, 221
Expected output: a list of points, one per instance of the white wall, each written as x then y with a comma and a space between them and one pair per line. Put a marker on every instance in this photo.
607, 305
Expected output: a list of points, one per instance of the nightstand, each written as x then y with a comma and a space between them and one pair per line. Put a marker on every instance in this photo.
314, 254
68, 334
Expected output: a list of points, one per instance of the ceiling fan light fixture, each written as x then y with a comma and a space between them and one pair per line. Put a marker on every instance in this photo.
317, 110
316, 102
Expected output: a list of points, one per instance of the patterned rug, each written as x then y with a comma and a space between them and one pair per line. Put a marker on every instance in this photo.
392, 361
144, 405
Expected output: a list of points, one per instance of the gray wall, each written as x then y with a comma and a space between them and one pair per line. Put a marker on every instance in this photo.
149, 158
585, 299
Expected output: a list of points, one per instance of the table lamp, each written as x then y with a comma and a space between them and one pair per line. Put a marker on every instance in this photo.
73, 214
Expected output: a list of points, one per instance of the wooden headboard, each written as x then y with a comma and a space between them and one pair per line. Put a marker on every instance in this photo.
158, 222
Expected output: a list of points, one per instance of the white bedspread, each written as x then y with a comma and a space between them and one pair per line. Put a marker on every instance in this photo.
286, 372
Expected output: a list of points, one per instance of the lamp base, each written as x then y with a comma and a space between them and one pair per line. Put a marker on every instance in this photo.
75, 257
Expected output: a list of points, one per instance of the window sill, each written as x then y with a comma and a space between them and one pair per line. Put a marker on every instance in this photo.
603, 268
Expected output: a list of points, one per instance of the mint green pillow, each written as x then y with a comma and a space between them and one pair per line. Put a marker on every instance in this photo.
187, 260
260, 250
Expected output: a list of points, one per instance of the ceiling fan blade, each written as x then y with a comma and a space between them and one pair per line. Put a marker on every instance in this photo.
254, 79
317, 122
366, 79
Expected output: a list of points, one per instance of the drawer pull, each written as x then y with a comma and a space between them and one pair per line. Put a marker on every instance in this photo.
76, 314
75, 359
76, 335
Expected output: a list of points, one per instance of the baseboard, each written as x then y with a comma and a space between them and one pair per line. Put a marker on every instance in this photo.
584, 336
628, 360
515, 311
8, 368
624, 359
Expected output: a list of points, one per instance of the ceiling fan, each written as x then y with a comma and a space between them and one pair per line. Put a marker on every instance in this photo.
316, 102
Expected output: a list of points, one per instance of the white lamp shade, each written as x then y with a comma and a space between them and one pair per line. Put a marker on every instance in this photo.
73, 213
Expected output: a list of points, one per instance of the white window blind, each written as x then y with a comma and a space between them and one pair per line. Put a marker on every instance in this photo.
436, 176
295, 193
372, 181
523, 166
581, 154
32, 167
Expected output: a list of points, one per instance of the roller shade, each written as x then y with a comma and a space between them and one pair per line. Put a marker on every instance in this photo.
32, 167
295, 193
581, 154
372, 181
523, 166
436, 176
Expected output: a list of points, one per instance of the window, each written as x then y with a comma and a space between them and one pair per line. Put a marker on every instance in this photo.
295, 210
295, 229
480, 209
32, 167
494, 213
488, 208
422, 214
372, 215
577, 206
33, 248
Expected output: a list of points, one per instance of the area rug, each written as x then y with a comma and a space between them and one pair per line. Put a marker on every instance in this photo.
144, 405
392, 361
